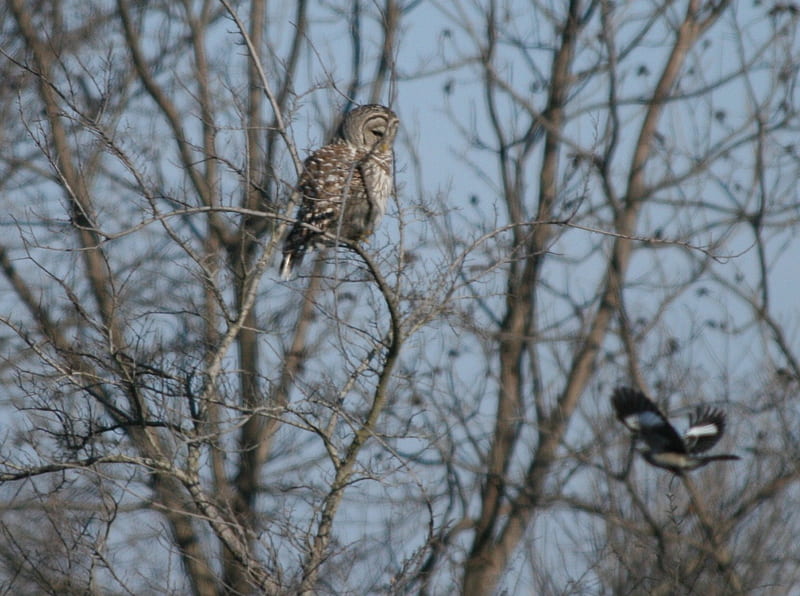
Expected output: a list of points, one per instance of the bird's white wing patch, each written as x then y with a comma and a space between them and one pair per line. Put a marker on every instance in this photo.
702, 430
642, 420
632, 422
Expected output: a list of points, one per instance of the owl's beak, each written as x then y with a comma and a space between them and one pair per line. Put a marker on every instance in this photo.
385, 143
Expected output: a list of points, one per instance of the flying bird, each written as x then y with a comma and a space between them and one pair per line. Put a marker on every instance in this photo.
663, 446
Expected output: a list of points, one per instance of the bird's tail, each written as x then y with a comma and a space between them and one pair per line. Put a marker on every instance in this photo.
723, 457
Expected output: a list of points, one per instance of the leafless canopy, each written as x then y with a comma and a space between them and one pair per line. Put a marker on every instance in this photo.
588, 194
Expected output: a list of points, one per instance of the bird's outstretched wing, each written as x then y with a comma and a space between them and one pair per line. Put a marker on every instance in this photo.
705, 429
643, 418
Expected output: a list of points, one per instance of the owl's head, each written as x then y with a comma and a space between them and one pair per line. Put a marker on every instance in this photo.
370, 126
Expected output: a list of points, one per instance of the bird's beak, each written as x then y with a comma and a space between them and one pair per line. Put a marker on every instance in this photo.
385, 143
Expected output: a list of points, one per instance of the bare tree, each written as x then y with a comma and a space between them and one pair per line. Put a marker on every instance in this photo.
430, 410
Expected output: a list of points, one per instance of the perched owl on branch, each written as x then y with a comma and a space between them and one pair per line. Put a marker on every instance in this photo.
345, 185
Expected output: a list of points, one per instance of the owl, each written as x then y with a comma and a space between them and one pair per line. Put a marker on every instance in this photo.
345, 185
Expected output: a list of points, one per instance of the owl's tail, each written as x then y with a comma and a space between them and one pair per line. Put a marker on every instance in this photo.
286, 266
290, 261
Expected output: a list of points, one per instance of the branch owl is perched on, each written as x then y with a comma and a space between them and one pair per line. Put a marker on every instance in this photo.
345, 185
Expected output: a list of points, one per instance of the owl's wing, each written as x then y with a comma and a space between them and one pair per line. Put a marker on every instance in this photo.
320, 186
643, 418
317, 187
